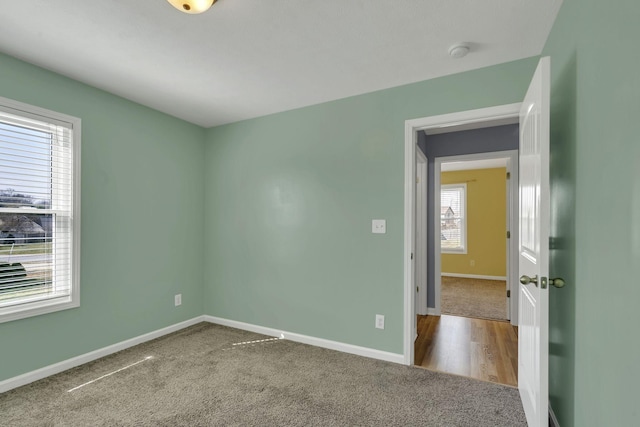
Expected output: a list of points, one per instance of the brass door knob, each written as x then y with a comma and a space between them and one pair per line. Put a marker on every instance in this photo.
525, 280
557, 282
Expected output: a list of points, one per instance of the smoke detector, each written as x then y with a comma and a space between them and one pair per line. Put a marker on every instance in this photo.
459, 50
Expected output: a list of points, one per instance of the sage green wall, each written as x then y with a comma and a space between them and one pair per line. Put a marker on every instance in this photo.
142, 220
594, 372
290, 199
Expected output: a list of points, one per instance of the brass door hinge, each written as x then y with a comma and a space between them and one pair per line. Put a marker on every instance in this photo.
509, 294
508, 175
508, 234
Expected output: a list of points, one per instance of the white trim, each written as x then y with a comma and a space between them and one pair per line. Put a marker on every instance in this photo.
409, 323
474, 165
553, 421
422, 191
462, 250
75, 209
512, 224
481, 118
478, 118
474, 276
432, 312
42, 305
56, 368
437, 247
306, 339
513, 208
38, 113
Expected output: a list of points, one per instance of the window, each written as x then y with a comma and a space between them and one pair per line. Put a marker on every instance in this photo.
39, 211
453, 218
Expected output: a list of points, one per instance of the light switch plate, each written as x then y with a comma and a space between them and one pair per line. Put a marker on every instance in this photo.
379, 226
379, 321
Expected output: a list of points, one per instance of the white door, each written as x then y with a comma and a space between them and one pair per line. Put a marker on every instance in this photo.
533, 313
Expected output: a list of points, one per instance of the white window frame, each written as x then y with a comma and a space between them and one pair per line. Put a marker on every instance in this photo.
39, 306
462, 249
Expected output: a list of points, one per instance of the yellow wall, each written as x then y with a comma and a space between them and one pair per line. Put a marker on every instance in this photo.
486, 223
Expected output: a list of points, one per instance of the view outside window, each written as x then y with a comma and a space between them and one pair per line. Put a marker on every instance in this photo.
452, 218
26, 224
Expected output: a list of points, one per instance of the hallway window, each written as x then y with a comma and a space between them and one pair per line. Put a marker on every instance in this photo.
453, 218
39, 211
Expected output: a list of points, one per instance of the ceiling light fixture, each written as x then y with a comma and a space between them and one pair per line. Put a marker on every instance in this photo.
192, 6
459, 50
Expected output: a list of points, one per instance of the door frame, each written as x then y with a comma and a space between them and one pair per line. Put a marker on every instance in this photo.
511, 225
464, 120
422, 193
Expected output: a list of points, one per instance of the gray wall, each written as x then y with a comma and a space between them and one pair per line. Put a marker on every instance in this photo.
498, 138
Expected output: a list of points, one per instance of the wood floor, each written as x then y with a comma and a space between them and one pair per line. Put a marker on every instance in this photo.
476, 348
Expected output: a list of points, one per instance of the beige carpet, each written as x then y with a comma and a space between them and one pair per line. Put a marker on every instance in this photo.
485, 299
209, 375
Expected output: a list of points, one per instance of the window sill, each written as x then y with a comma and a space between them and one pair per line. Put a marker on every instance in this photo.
453, 251
37, 308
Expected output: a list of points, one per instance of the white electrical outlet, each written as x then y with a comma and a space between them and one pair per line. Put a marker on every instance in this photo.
472, 263
178, 299
380, 321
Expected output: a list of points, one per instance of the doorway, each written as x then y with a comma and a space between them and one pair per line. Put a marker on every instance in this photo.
533, 115
475, 201
474, 198
474, 119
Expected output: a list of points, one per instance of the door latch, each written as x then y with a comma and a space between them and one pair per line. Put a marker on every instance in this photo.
525, 280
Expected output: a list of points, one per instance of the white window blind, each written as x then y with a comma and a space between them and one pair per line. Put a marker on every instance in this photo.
453, 223
38, 211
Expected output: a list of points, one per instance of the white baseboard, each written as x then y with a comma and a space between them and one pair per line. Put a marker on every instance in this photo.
474, 276
305, 339
431, 311
56, 368
553, 421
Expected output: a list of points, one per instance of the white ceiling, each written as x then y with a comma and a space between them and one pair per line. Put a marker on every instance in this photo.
248, 58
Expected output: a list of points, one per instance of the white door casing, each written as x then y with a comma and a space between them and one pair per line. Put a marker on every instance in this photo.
421, 233
533, 254
463, 120
512, 240
512, 225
